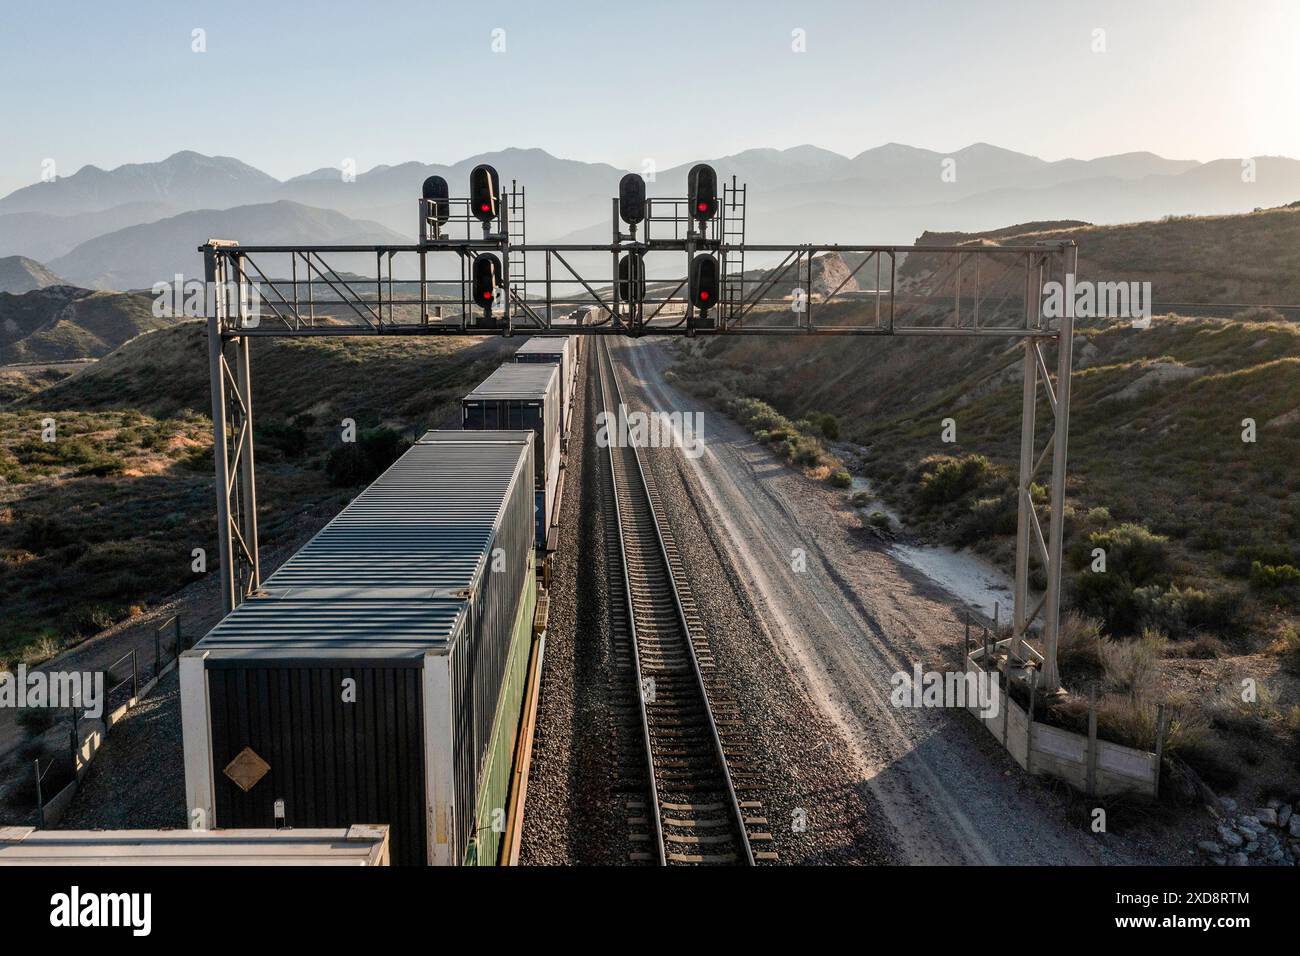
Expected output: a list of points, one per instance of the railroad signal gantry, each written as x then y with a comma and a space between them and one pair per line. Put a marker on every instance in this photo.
678, 269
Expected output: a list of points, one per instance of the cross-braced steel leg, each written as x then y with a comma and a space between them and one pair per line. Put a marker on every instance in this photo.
232, 430
1029, 529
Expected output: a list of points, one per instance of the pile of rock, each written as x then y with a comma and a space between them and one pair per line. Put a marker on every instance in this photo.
1266, 836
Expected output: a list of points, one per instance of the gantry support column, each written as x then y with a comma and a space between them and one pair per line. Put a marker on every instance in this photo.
1029, 529
1061, 437
232, 428
1021, 613
251, 577
213, 274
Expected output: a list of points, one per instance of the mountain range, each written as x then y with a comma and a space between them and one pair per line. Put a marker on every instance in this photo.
141, 223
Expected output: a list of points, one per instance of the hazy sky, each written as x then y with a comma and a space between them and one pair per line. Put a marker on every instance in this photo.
290, 87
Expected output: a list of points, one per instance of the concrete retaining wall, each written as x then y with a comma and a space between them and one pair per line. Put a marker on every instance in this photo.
1055, 752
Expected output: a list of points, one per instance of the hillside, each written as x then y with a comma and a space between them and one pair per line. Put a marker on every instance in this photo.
1184, 373
62, 323
1200, 527
18, 274
103, 520
369, 378
1235, 259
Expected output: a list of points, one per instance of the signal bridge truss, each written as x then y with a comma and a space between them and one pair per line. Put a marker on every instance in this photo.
645, 285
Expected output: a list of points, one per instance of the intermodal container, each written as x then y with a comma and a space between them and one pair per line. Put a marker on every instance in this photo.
377, 676
524, 396
561, 351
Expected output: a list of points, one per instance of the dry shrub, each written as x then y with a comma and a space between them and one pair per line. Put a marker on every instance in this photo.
1070, 711
1132, 666
1126, 721
1134, 723
1079, 644
1292, 719
40, 651
1287, 644
1253, 720
1196, 736
1203, 647
1187, 730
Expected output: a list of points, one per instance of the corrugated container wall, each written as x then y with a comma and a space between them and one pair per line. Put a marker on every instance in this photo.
524, 396
479, 678
560, 351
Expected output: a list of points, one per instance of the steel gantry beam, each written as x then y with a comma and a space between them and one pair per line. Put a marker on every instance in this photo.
974, 292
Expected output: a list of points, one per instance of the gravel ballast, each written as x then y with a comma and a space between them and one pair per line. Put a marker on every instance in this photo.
817, 811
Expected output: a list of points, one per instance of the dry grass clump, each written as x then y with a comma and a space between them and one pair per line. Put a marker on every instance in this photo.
1133, 667
1079, 644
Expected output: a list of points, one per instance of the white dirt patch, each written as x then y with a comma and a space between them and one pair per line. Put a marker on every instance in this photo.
1155, 375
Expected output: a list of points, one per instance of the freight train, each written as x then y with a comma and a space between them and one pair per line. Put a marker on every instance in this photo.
384, 673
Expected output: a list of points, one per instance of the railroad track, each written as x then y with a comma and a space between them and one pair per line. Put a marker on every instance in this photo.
694, 814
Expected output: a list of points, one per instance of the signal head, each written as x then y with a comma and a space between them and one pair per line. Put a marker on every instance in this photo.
704, 281
702, 192
437, 193
487, 279
631, 199
484, 192
631, 278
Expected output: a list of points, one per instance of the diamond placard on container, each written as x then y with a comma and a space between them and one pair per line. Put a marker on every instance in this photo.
246, 769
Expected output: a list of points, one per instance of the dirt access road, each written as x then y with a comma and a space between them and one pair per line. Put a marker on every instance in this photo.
843, 627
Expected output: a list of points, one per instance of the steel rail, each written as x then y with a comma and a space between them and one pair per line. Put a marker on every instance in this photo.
639, 687
714, 738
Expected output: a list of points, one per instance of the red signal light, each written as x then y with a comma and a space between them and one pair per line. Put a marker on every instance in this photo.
702, 190
487, 279
703, 277
484, 192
